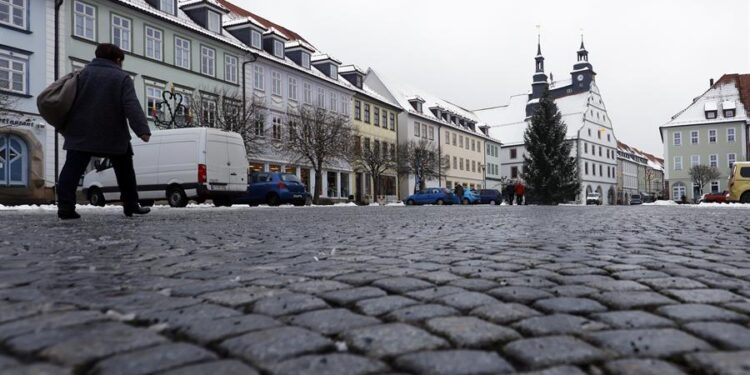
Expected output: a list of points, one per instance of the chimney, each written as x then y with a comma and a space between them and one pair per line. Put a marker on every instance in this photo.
711, 82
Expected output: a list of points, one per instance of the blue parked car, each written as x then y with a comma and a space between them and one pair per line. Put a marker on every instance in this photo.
274, 188
471, 196
490, 196
437, 196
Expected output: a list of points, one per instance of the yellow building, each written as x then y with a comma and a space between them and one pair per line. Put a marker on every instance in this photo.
375, 125
463, 144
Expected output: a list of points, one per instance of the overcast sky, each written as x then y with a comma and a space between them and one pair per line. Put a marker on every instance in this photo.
652, 56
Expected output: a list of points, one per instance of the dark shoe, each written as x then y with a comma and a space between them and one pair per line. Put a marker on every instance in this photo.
129, 211
68, 214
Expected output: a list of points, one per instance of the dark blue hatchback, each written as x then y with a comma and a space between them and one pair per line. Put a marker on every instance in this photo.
274, 188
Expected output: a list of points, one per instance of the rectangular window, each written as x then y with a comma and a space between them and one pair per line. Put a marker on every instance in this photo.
321, 98
209, 111
453, 138
334, 72
455, 162
13, 74
678, 163
424, 130
694, 137
695, 160
357, 110
712, 136
731, 136
259, 81
182, 52
677, 138
208, 61
367, 113
376, 116
306, 60
461, 164
307, 88
393, 121
153, 101
447, 137
153, 43
292, 88
13, 13
473, 145
385, 119
432, 133
586, 167
731, 158
473, 166
276, 129
276, 83
513, 153
120, 31
255, 39
513, 172
167, 6
344, 105
214, 22
230, 68
713, 160
84, 20
714, 186
278, 49
461, 141
416, 129
332, 101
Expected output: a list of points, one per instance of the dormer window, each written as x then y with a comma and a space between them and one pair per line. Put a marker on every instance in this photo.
334, 72
255, 39
214, 22
728, 113
278, 49
305, 60
710, 110
167, 6
729, 108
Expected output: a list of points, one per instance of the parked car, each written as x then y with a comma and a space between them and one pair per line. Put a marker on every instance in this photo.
636, 199
739, 183
471, 196
437, 196
593, 198
274, 188
178, 165
715, 197
490, 196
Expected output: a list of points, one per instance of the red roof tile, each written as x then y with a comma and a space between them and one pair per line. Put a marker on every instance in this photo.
242, 12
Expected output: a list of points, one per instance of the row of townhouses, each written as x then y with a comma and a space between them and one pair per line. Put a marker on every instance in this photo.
638, 173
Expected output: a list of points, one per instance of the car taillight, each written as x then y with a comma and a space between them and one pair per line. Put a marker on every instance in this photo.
202, 174
281, 185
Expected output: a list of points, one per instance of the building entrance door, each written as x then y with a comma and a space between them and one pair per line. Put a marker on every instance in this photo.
14, 161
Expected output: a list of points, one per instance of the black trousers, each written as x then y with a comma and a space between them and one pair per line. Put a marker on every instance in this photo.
76, 163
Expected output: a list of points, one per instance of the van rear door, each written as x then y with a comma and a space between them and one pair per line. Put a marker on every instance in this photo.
217, 160
237, 157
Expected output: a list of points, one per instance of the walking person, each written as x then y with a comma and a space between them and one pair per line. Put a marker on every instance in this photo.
508, 192
97, 125
520, 191
459, 191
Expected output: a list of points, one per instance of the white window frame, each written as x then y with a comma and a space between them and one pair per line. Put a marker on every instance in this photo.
717, 186
344, 105
13, 71
334, 72
731, 159
678, 163
259, 79
209, 107
83, 16
230, 68
321, 98
167, 6
715, 135
15, 8
677, 138
307, 92
213, 22
126, 40
208, 61
256, 40
292, 90
278, 49
305, 60
417, 126
276, 83
182, 52
695, 137
332, 101
713, 160
156, 43
153, 92
731, 135
695, 160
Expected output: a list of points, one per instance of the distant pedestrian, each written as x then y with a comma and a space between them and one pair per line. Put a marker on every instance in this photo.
459, 191
520, 191
97, 125
508, 192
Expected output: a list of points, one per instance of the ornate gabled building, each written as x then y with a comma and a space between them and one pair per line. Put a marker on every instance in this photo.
583, 111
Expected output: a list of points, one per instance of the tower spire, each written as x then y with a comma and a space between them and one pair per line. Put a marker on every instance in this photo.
583, 55
538, 41
539, 84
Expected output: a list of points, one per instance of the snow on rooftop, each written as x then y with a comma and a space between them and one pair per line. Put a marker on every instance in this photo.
695, 113
728, 104
710, 106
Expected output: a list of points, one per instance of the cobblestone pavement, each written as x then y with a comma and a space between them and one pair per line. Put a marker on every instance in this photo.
361, 290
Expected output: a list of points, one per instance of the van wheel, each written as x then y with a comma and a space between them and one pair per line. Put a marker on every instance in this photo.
440, 202
465, 201
492, 202
272, 200
745, 197
410, 202
176, 197
96, 197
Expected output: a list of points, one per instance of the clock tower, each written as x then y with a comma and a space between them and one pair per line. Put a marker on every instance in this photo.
583, 73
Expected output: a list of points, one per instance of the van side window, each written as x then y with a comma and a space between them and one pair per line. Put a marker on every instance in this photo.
745, 172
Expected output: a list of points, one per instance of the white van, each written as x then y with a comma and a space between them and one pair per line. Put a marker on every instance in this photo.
178, 165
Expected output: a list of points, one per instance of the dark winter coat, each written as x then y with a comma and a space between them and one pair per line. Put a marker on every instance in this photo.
105, 103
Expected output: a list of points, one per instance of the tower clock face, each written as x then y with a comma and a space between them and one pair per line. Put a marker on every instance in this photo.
580, 77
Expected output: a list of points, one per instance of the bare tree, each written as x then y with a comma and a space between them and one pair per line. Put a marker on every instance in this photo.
7, 106
318, 137
423, 160
703, 174
374, 159
220, 109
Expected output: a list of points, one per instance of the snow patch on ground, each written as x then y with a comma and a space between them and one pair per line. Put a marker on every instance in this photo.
662, 203
721, 205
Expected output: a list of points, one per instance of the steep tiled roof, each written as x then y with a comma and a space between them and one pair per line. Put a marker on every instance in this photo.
742, 82
291, 35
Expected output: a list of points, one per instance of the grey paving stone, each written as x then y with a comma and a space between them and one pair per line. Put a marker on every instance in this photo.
504, 313
633, 319
569, 305
521, 294
209, 330
332, 321
552, 350
470, 332
98, 342
532, 282
185, 315
348, 296
382, 305
699, 312
418, 313
6, 362
360, 278
392, 339
572, 291
15, 311
454, 362
401, 284
432, 293
558, 324
223, 367
466, 300
720, 363
330, 364
268, 347
286, 304
148, 361
48, 321
37, 369
704, 295
628, 300
639, 274
673, 283
620, 285
478, 285
240, 296
317, 286
661, 343
438, 277
742, 307
725, 335
557, 370
642, 367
